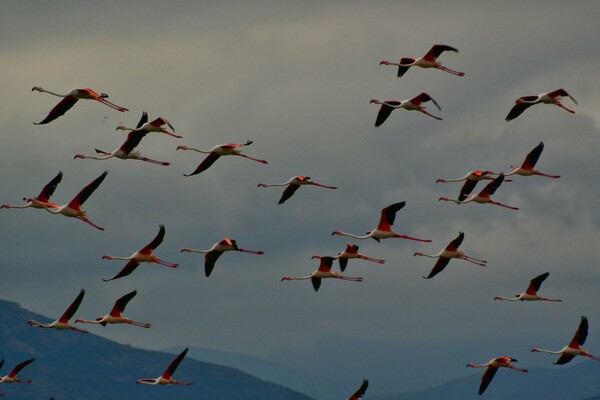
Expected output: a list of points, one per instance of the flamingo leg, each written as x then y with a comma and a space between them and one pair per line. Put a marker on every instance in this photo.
152, 161
431, 115
411, 238
350, 278
451, 71
546, 175
87, 221
140, 324
503, 205
564, 108
112, 105
167, 264
323, 186
375, 260
255, 159
171, 134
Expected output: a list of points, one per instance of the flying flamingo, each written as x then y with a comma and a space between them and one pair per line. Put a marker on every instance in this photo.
531, 293
294, 184
115, 316
384, 229
574, 348
140, 256
527, 168
523, 103
12, 375
451, 251
167, 377
153, 126
484, 196
212, 255
360, 392
471, 180
414, 104
71, 98
229, 149
492, 368
351, 251
429, 60
44, 195
63, 322
324, 271
73, 208
126, 150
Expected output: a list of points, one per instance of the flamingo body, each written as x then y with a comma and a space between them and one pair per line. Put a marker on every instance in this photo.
429, 60
115, 316
483, 197
294, 184
414, 104
531, 294
63, 322
575, 346
492, 368
43, 197
351, 252
523, 103
229, 149
167, 377
471, 180
323, 272
153, 126
12, 375
527, 168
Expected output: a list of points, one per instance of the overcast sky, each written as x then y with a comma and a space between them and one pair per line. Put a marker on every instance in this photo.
296, 78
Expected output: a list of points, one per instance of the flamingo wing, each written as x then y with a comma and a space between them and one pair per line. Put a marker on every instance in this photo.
536, 283
453, 245
385, 110
50, 187
487, 378
68, 314
83, 195
288, 192
343, 263
388, 215
360, 392
127, 269
156, 241
564, 359
436, 50
210, 259
563, 93
491, 187
326, 264
121, 303
19, 367
517, 110
316, 282
403, 68
2, 362
466, 189
174, 364
438, 267
205, 164
133, 140
533, 156
143, 120
424, 97
581, 334
62, 107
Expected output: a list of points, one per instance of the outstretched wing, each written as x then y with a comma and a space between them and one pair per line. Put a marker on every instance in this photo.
19, 367
68, 314
453, 245
343, 263
402, 68
438, 267
156, 241
133, 140
360, 392
288, 192
86, 192
491, 187
143, 120
205, 164
388, 215
127, 269
49, 189
581, 334
487, 378
384, 111
536, 283
517, 110
121, 303
316, 282
466, 189
533, 156
62, 107
436, 50
210, 259
174, 364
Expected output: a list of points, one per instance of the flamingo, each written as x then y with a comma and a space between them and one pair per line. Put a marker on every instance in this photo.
229, 149
492, 368
12, 375
484, 196
574, 348
429, 60
294, 184
126, 150
324, 271
451, 251
44, 195
73, 208
63, 322
140, 256
212, 255
71, 98
531, 293
526, 169
351, 251
360, 392
384, 229
153, 126
115, 316
167, 377
523, 103
471, 180
414, 104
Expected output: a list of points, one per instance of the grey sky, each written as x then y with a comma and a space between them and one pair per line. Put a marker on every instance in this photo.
296, 78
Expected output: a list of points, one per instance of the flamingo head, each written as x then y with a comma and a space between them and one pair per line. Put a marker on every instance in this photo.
107, 257
78, 156
79, 320
182, 147
441, 180
316, 256
37, 88
121, 128
374, 101
336, 233
418, 253
285, 278
262, 185
443, 198
384, 62
185, 250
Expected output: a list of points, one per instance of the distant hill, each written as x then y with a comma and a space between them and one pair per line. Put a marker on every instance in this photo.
73, 365
580, 381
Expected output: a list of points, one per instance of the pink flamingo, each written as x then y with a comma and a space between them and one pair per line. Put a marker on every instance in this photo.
429, 60
531, 293
167, 377
229, 149
294, 184
484, 196
140, 256
153, 126
360, 392
451, 251
324, 271
351, 252
71, 98
526, 169
73, 208
523, 103
115, 316
43, 197
12, 375
384, 228
63, 322
492, 368
414, 104
126, 150
574, 348
212, 255
471, 180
